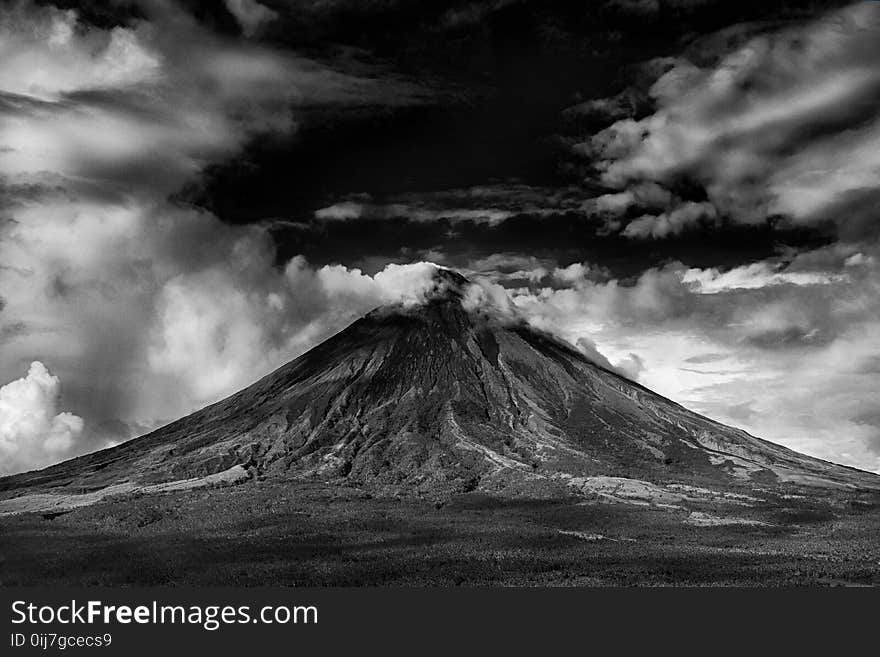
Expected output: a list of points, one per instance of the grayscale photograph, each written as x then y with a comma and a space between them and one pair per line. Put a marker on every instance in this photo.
439, 293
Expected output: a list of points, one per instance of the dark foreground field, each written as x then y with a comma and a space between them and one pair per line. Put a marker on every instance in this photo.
306, 535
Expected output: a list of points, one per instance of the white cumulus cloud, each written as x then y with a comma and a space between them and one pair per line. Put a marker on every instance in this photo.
32, 431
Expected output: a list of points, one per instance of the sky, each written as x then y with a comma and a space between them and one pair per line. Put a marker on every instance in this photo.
687, 190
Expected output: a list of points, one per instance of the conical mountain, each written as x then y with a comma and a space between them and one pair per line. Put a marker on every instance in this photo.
443, 397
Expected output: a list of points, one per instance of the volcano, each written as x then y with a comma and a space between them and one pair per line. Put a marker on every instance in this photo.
437, 442
444, 397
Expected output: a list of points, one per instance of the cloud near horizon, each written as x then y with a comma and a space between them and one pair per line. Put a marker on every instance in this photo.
32, 431
785, 349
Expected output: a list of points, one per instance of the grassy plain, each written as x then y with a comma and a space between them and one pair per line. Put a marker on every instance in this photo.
309, 534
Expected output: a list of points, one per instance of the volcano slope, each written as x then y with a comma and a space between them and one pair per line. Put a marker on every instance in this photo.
464, 427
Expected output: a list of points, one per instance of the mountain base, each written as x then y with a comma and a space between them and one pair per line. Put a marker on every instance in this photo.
310, 533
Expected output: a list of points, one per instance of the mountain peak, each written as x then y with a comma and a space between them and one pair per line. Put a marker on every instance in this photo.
444, 289
446, 285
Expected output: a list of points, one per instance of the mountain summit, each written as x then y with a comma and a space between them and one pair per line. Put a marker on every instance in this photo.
440, 397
